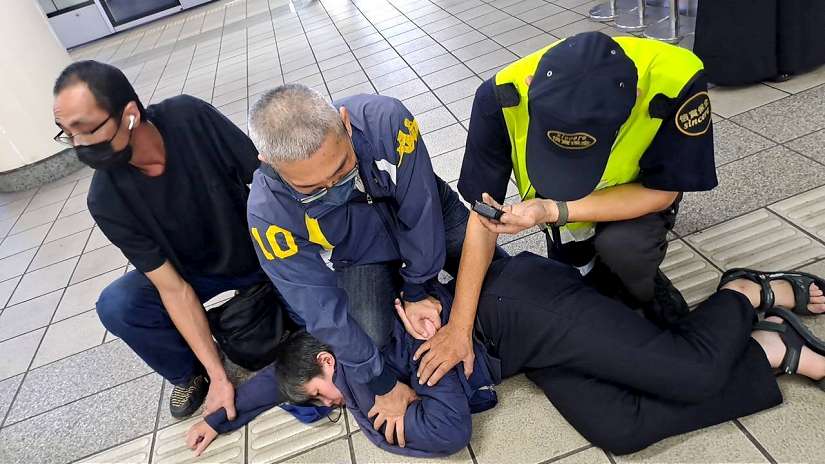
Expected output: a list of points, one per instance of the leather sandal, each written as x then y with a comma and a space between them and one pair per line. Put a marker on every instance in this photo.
800, 283
795, 335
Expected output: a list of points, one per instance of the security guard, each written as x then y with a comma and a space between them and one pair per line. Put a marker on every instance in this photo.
602, 135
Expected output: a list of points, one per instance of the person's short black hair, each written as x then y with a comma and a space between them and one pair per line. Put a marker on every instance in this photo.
110, 87
296, 364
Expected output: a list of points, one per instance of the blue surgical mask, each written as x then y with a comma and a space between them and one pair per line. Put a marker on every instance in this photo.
339, 194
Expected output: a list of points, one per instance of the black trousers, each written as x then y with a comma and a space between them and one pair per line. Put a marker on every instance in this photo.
621, 381
627, 258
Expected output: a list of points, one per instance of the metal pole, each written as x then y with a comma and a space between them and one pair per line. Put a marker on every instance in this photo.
604, 12
668, 28
634, 19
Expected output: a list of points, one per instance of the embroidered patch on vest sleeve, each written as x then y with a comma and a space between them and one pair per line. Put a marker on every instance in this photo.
693, 117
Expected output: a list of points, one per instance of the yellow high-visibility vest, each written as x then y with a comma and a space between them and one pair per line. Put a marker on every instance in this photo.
662, 69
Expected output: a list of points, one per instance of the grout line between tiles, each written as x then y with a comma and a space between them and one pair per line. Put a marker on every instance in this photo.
472, 453
754, 441
567, 454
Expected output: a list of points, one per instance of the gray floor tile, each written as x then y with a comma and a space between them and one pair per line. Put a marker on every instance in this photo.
724, 442
70, 336
435, 64
60, 249
364, 87
35, 217
394, 78
417, 105
463, 41
8, 388
447, 76
276, 434
76, 377
28, 316
556, 21
448, 165
16, 243
347, 81
491, 60
691, 274
97, 262
96, 240
802, 82
170, 446
434, 119
13, 209
462, 108
83, 296
542, 11
137, 451
15, 265
74, 205
588, 456
732, 142
458, 90
401, 92
17, 353
523, 427
336, 452
730, 101
50, 194
366, 451
12, 197
759, 240
584, 25
6, 225
341, 71
747, 184
43, 281
84, 427
69, 225
520, 34
535, 243
792, 117
811, 145
446, 139
476, 49
384, 67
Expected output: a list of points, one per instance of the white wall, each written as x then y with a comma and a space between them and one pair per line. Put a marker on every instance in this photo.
31, 58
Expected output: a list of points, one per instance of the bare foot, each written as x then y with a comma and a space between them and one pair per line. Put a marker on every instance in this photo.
811, 365
785, 297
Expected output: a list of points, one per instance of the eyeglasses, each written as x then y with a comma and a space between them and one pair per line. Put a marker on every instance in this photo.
335, 415
66, 139
320, 193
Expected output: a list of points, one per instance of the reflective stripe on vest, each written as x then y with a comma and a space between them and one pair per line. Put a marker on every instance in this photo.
662, 69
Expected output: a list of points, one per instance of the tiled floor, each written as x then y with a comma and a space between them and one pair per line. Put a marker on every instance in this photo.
71, 392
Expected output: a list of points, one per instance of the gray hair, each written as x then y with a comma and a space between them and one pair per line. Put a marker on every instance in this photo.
291, 122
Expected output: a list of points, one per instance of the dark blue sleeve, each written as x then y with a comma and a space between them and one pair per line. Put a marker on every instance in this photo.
487, 163
253, 397
421, 226
439, 423
311, 290
679, 159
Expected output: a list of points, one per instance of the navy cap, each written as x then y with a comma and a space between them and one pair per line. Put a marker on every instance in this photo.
582, 92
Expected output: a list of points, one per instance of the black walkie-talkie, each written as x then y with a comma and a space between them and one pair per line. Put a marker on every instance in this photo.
490, 212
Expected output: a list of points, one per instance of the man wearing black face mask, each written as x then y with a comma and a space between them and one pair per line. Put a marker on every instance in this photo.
170, 191
346, 214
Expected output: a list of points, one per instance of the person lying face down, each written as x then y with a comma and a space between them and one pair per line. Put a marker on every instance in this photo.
620, 380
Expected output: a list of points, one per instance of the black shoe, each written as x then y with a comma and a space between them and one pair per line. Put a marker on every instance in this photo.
186, 399
668, 305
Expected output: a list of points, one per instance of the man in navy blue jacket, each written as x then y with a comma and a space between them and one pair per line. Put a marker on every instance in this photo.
346, 213
620, 380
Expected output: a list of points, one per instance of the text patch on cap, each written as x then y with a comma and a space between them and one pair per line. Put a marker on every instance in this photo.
693, 117
577, 141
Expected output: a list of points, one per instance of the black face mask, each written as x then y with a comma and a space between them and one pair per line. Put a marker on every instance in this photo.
101, 155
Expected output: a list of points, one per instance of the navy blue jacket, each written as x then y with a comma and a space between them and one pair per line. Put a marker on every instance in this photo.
438, 424
398, 218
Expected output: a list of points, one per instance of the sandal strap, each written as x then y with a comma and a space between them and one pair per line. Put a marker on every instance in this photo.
767, 298
800, 284
792, 340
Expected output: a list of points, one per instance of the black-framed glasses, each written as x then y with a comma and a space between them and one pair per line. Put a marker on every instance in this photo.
307, 199
66, 139
336, 413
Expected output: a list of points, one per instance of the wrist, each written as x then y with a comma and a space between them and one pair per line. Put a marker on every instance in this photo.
551, 211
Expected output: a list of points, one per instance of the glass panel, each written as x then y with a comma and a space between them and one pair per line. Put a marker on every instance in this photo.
63, 4
48, 6
124, 11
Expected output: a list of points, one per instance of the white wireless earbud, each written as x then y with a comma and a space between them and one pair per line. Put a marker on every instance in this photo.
131, 121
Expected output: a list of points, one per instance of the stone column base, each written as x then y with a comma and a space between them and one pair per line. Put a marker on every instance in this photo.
40, 173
